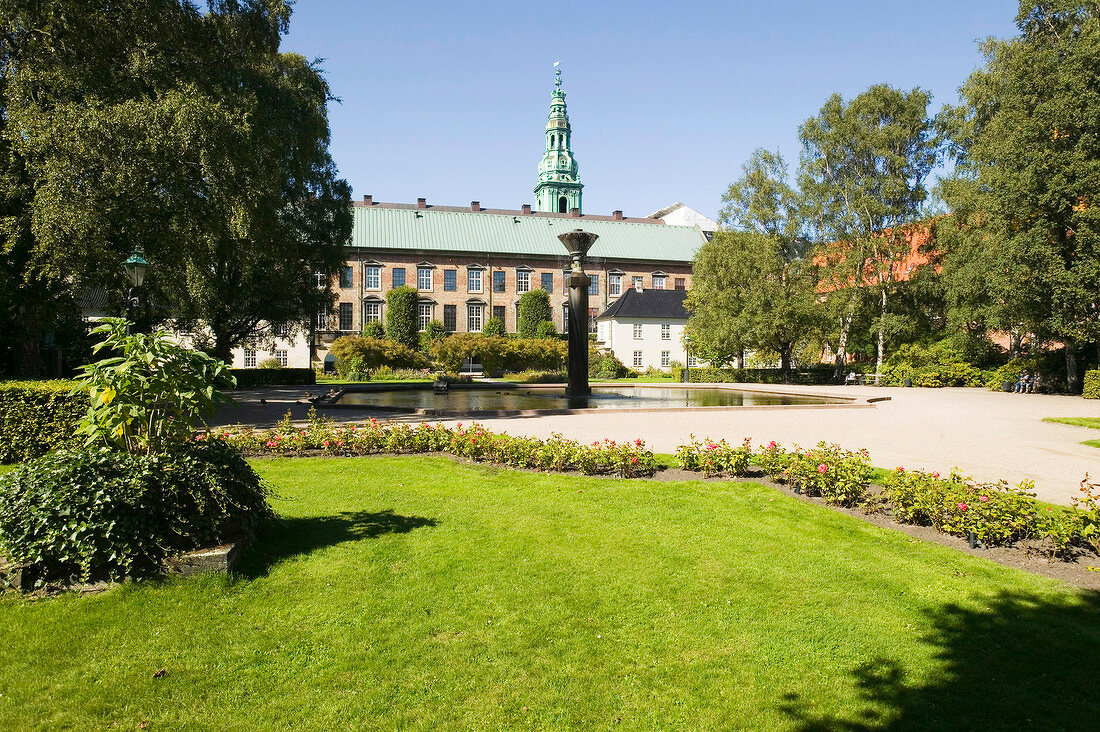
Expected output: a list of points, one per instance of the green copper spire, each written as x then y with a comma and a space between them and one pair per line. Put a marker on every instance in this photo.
559, 186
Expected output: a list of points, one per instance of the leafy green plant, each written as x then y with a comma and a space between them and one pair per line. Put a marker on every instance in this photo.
150, 396
532, 309
1090, 511
375, 330
494, 327
269, 363
773, 460
839, 476
357, 355
401, 321
98, 513
715, 457
433, 331
1092, 385
546, 329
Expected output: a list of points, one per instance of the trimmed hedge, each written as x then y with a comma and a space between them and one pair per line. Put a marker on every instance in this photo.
247, 378
500, 355
809, 377
37, 417
1092, 385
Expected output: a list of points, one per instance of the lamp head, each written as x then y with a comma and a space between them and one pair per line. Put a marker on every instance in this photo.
136, 266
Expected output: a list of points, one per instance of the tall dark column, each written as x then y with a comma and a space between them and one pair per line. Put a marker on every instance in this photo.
578, 243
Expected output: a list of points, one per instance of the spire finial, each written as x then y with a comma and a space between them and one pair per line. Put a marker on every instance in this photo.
557, 73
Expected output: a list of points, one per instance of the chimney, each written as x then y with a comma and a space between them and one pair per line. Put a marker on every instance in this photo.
526, 208
475, 205
368, 199
575, 212
421, 203
616, 215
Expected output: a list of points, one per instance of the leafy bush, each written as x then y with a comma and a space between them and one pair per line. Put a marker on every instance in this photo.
36, 417
433, 331
150, 397
839, 476
494, 327
374, 329
606, 366
715, 458
936, 365
269, 363
356, 355
385, 373
98, 513
401, 321
532, 309
1090, 507
542, 377
249, 378
625, 459
1092, 385
1048, 367
773, 460
996, 513
500, 355
546, 329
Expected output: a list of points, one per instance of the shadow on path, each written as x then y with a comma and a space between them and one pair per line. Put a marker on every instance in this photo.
1020, 662
289, 537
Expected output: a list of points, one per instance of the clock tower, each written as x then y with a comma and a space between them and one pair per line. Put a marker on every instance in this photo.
559, 186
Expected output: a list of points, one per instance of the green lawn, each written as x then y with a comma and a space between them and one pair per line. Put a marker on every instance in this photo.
414, 593
1093, 422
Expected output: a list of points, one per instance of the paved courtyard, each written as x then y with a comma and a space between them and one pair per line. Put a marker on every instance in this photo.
988, 435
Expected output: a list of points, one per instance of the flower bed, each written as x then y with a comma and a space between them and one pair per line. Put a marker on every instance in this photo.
605, 457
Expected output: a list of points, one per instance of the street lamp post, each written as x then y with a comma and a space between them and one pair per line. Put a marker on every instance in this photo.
136, 266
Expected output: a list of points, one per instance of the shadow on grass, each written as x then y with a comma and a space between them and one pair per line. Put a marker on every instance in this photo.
1019, 663
289, 537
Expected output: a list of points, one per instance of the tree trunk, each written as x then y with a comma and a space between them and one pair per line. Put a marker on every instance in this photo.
785, 364
222, 348
842, 344
1073, 377
880, 350
1015, 336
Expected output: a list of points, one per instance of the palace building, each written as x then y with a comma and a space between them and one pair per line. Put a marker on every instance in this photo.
469, 263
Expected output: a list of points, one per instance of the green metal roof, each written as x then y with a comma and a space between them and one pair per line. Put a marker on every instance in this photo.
521, 234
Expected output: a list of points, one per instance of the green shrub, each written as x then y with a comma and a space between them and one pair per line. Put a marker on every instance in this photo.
546, 329
385, 373
99, 514
809, 376
433, 331
250, 378
1090, 508
494, 327
532, 309
499, 355
401, 319
605, 366
773, 460
375, 330
936, 365
269, 363
356, 355
715, 458
1092, 385
1048, 367
839, 476
542, 377
36, 417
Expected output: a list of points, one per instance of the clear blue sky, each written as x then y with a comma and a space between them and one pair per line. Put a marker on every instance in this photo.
448, 100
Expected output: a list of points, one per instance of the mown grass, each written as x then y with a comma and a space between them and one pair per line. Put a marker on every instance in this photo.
415, 593
1093, 422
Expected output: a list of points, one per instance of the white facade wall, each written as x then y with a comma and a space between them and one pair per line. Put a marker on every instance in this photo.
295, 349
617, 335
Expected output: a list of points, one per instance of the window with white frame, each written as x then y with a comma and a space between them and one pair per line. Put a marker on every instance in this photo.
614, 285
424, 314
474, 312
320, 280
372, 277
523, 281
692, 361
637, 359
636, 282
666, 358
423, 278
473, 281
637, 331
658, 282
322, 318
372, 312
250, 358
666, 332
280, 356
565, 318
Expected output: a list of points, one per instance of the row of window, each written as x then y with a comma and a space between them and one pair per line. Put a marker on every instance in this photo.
250, 357
372, 313
372, 280
666, 360
666, 332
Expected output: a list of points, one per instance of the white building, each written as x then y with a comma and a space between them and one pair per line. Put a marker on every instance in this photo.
645, 328
680, 214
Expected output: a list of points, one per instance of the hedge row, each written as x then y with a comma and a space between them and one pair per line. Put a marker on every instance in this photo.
1092, 385
810, 377
37, 417
248, 378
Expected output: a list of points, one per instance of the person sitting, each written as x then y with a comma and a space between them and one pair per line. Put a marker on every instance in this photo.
1021, 384
852, 378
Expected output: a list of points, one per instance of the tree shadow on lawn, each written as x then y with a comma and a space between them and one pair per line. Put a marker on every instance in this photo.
288, 537
1019, 663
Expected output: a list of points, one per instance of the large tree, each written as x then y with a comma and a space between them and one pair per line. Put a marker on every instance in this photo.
863, 171
751, 286
151, 122
1027, 188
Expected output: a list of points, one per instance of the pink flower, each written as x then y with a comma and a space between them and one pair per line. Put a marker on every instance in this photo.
935, 476
899, 469
325, 443
784, 472
595, 443
984, 498
270, 443
963, 506
633, 460
638, 442
712, 446
823, 468
772, 444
